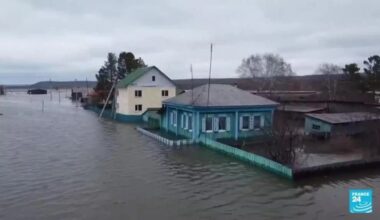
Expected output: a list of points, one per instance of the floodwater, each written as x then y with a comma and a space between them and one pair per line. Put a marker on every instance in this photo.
64, 163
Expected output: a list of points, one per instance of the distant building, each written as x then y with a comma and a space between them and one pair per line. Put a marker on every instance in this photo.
80, 92
142, 89
223, 111
2, 90
37, 91
330, 124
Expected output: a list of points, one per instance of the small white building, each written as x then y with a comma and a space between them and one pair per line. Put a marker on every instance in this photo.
141, 90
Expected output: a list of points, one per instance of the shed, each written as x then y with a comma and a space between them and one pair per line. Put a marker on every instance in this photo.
330, 124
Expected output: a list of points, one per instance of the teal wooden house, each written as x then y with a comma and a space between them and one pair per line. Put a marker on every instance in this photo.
218, 112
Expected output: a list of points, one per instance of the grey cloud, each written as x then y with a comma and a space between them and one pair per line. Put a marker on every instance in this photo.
70, 39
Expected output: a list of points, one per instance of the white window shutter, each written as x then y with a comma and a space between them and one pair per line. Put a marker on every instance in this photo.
203, 124
228, 123
251, 122
262, 121
216, 124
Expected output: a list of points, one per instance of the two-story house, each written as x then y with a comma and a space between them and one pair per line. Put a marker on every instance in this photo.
141, 90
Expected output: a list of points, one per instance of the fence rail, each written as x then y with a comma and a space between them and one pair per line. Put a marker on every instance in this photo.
164, 140
248, 157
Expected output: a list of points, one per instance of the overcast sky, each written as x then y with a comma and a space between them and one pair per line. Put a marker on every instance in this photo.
66, 40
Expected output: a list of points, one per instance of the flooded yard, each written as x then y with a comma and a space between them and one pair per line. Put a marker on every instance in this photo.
65, 163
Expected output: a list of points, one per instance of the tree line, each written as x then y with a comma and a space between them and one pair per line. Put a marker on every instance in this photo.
272, 67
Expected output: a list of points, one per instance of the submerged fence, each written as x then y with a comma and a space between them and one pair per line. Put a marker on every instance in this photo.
164, 140
248, 157
231, 151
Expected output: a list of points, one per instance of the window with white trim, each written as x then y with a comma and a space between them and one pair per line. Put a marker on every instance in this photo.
138, 93
222, 123
190, 122
209, 124
256, 121
138, 108
173, 118
164, 93
185, 123
153, 78
183, 120
244, 120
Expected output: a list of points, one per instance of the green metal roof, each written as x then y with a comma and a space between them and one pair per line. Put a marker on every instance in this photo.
133, 76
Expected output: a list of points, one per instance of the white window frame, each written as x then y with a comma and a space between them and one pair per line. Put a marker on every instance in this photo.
242, 123
185, 121
222, 116
190, 122
260, 123
136, 107
173, 118
138, 90
165, 93
212, 124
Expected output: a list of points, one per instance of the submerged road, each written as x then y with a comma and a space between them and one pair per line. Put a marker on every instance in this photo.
64, 163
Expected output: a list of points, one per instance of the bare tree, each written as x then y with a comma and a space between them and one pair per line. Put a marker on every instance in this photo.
270, 67
286, 140
330, 71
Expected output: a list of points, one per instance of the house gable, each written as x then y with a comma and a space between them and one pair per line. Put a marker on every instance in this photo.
153, 78
146, 77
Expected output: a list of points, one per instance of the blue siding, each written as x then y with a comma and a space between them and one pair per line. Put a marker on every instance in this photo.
323, 126
233, 116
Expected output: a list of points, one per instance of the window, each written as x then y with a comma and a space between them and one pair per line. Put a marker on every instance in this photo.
208, 124
153, 78
190, 122
316, 127
173, 118
222, 125
183, 123
256, 121
244, 120
165, 93
138, 108
138, 93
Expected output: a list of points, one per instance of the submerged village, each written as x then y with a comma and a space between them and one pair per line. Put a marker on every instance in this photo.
293, 126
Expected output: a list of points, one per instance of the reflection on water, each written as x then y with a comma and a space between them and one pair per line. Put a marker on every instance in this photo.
64, 163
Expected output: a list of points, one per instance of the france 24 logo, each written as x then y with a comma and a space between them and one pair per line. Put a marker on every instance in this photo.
360, 201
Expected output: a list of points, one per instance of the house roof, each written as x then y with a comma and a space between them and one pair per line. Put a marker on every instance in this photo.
300, 108
221, 95
340, 118
136, 74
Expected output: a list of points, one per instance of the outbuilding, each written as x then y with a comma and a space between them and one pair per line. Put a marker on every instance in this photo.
330, 124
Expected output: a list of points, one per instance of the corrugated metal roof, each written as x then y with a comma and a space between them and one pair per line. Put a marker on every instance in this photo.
339, 118
220, 96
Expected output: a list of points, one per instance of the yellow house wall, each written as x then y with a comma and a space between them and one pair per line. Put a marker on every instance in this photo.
151, 98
